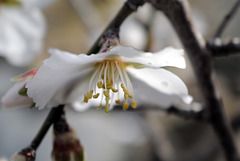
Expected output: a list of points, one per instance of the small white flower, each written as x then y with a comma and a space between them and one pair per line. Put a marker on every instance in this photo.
116, 74
22, 30
16, 96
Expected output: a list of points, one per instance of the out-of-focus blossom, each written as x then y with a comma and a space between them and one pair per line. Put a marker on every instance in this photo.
16, 96
26, 154
22, 30
116, 74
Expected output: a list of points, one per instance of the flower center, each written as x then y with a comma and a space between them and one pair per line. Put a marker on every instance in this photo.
109, 80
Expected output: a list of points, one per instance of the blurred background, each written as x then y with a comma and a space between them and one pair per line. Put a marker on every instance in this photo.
73, 26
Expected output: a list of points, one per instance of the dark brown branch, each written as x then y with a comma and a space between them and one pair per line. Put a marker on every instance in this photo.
53, 115
112, 29
235, 122
219, 47
178, 13
226, 20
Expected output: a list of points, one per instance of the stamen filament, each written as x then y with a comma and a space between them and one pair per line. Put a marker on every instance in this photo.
108, 77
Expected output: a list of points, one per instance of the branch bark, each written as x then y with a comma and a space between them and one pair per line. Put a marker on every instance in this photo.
220, 48
53, 115
178, 13
113, 28
227, 19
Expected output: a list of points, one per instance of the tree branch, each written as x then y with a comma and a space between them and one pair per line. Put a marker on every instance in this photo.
226, 20
113, 28
53, 115
219, 47
195, 111
178, 13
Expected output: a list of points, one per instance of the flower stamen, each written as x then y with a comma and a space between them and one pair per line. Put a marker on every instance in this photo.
108, 77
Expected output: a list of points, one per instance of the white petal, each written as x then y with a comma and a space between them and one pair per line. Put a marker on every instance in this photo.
13, 99
72, 61
21, 34
166, 57
158, 87
52, 87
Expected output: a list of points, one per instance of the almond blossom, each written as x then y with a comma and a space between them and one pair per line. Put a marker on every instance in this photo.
116, 75
22, 30
16, 96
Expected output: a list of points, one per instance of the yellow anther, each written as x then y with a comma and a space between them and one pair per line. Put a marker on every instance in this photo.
85, 99
118, 101
129, 95
96, 95
125, 106
109, 86
114, 90
89, 94
122, 86
106, 93
134, 104
100, 84
125, 96
126, 92
103, 86
99, 107
102, 76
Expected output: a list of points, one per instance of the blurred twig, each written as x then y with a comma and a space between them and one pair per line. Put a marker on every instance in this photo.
219, 47
178, 13
195, 111
226, 20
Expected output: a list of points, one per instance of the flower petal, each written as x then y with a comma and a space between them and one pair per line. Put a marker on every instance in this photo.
158, 87
64, 60
55, 81
13, 99
21, 34
166, 57
61, 76
52, 87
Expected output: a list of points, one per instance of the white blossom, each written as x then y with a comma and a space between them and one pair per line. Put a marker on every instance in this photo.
22, 30
118, 74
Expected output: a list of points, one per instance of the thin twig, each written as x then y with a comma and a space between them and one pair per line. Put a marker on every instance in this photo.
53, 115
178, 13
226, 20
219, 47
